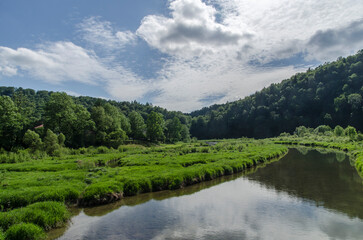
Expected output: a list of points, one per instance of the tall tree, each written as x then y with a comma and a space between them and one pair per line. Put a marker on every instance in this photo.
173, 130
138, 127
155, 127
62, 115
10, 123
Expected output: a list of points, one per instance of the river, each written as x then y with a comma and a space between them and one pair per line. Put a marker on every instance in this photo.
305, 195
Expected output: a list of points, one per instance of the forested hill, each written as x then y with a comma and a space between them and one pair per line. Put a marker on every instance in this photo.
331, 94
34, 102
27, 116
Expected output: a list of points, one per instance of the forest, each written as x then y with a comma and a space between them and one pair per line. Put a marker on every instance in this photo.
330, 95
42, 120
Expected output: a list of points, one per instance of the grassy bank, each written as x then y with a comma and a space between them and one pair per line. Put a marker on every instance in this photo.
352, 148
100, 175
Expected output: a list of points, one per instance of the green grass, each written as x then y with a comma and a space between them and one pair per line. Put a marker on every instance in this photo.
25, 231
34, 190
46, 215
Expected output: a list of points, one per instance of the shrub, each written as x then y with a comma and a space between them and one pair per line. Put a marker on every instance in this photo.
2, 235
32, 140
25, 231
322, 129
351, 132
102, 149
338, 131
82, 150
51, 142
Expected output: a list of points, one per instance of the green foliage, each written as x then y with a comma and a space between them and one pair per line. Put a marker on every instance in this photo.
302, 131
322, 129
61, 139
10, 123
25, 231
330, 94
184, 133
338, 131
138, 127
173, 130
46, 215
2, 235
62, 115
51, 144
351, 132
32, 140
154, 127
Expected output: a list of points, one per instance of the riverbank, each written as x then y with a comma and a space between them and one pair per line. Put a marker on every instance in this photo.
101, 176
353, 148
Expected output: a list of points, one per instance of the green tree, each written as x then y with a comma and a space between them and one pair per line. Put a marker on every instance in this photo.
51, 142
62, 115
61, 139
154, 127
322, 129
59, 114
116, 138
109, 119
173, 129
184, 133
10, 123
355, 100
138, 127
32, 140
351, 132
125, 124
338, 131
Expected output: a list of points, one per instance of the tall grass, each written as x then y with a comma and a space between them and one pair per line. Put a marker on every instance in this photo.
25, 231
33, 191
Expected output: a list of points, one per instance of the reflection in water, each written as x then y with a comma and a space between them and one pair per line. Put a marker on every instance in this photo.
311, 196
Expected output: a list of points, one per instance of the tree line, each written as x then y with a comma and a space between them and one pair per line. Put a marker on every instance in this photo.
49, 121
330, 94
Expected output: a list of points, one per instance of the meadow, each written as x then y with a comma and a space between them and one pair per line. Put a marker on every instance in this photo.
36, 189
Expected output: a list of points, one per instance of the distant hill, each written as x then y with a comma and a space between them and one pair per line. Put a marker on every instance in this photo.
331, 94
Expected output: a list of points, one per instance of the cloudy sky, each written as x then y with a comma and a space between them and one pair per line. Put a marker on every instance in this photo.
178, 54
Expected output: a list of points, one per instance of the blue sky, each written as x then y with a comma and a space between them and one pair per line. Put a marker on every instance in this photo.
178, 54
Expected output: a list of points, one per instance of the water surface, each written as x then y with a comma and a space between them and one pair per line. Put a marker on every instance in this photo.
305, 195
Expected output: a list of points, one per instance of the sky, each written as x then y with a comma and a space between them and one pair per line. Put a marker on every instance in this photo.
178, 54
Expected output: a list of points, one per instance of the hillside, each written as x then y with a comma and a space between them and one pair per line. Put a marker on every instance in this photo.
83, 121
331, 94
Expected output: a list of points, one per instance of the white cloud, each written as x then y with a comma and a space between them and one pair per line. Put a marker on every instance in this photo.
101, 34
209, 44
192, 28
8, 71
54, 62
283, 28
189, 85
328, 44
61, 62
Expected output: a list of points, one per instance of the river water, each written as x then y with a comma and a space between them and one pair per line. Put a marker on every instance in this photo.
305, 195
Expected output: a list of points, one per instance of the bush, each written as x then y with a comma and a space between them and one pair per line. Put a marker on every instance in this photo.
25, 231
2, 235
338, 131
102, 149
351, 132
